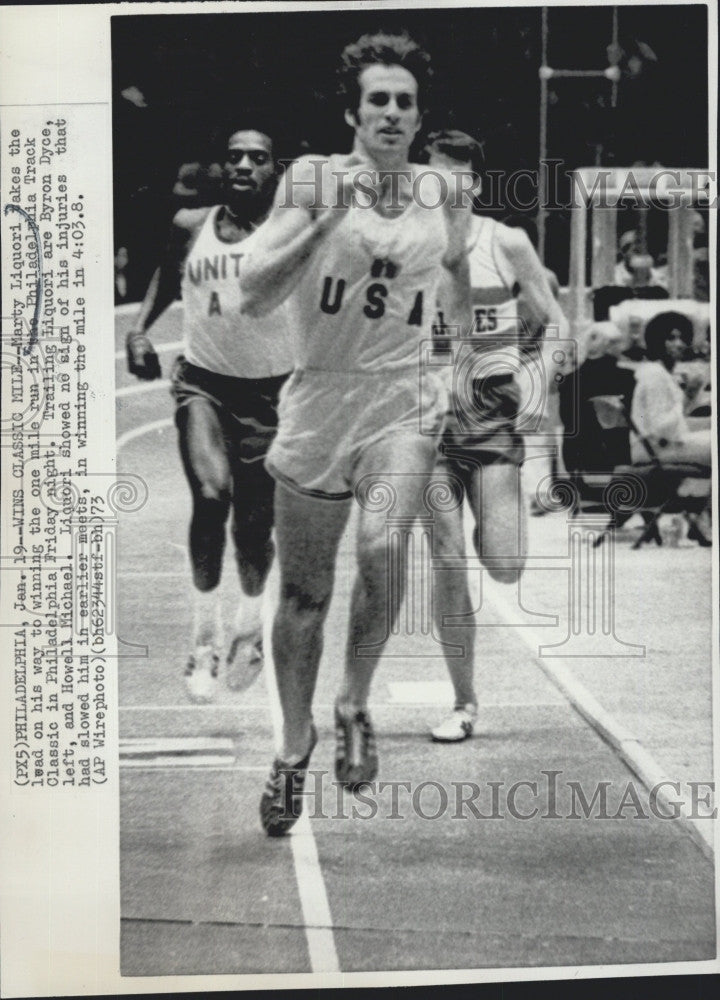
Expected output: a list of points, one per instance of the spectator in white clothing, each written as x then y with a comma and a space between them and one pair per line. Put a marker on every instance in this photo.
658, 406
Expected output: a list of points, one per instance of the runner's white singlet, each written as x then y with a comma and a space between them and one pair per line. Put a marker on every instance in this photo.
217, 336
494, 305
368, 294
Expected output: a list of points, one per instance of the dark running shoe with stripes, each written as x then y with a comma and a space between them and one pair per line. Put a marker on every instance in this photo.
356, 759
282, 801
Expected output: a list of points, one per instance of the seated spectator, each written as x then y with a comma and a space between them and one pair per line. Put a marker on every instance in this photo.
635, 277
658, 405
636, 269
704, 348
588, 447
632, 316
626, 247
694, 376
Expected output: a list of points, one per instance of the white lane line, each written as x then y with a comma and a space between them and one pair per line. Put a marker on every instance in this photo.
137, 432
132, 390
169, 763
628, 747
158, 575
239, 708
317, 919
170, 345
311, 885
135, 746
144, 766
127, 308
189, 707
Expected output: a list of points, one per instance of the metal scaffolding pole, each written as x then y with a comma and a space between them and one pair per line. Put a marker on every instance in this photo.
547, 73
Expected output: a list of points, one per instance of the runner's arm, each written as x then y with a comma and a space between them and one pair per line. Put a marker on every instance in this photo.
533, 280
163, 289
282, 246
537, 292
455, 290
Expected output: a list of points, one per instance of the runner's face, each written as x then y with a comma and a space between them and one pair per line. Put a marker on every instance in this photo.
249, 168
388, 117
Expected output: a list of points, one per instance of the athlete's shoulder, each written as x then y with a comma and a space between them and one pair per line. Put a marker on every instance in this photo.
304, 180
189, 220
512, 239
515, 246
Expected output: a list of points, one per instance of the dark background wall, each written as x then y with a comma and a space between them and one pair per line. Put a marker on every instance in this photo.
200, 75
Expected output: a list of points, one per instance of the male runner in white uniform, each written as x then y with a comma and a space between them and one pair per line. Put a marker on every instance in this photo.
226, 387
482, 446
364, 282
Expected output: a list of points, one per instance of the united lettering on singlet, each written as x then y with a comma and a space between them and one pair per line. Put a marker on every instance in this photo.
367, 297
217, 336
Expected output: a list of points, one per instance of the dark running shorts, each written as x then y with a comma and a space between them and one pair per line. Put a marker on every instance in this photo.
481, 429
246, 407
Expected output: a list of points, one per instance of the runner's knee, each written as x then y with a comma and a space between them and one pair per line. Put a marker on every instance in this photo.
303, 606
501, 566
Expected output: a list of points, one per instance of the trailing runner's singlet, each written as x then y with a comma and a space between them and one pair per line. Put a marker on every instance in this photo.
495, 306
217, 336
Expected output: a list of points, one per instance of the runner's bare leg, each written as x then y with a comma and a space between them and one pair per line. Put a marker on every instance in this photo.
308, 532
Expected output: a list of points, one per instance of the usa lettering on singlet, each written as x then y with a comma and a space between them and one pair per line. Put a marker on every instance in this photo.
217, 337
368, 295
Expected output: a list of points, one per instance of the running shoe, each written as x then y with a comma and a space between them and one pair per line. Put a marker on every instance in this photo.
282, 800
244, 661
201, 675
459, 726
356, 759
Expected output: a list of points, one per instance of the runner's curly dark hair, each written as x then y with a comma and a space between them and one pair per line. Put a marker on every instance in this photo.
386, 50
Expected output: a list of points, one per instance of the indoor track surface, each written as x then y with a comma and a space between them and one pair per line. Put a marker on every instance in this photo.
205, 891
